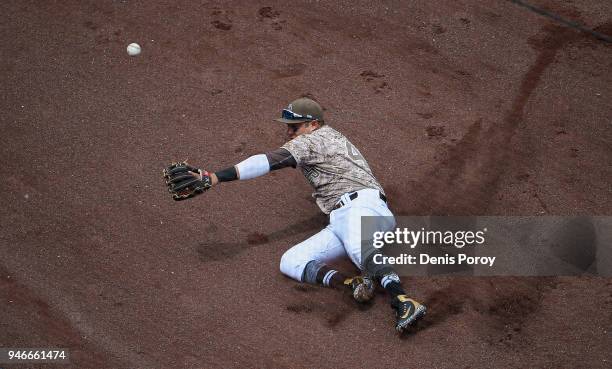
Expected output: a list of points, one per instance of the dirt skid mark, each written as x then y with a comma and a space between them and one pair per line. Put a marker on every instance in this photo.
18, 296
268, 15
443, 304
369, 75
306, 288
257, 238
420, 47
221, 19
435, 131
375, 80
514, 302
318, 221
437, 189
425, 115
240, 147
289, 70
217, 251
221, 25
211, 250
605, 29
300, 308
447, 303
438, 29
50, 319
331, 313
504, 305
467, 175
90, 25
268, 12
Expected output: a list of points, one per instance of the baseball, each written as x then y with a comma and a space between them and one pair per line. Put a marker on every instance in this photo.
133, 49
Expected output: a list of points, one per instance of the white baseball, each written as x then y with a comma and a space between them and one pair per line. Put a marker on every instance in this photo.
133, 49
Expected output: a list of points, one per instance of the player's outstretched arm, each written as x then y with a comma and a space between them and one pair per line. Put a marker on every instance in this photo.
255, 166
185, 181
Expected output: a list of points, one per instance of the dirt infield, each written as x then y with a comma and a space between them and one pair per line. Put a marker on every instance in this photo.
461, 108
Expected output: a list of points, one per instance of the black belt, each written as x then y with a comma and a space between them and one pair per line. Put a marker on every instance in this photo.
353, 196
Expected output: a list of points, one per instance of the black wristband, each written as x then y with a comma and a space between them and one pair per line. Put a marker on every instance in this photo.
226, 175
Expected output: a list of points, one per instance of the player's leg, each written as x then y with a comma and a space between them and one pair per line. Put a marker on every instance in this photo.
346, 224
407, 309
307, 261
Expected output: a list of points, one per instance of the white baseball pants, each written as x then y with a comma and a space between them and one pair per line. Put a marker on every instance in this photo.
341, 237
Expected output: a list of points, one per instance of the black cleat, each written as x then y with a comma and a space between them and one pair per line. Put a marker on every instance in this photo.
408, 311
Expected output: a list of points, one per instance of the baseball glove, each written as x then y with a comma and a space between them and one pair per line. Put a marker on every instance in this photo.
184, 185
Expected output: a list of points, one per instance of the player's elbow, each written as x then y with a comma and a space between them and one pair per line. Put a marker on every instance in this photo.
254, 166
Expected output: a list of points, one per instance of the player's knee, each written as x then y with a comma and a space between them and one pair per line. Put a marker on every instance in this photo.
298, 266
288, 265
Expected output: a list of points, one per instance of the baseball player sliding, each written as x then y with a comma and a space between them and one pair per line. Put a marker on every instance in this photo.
344, 188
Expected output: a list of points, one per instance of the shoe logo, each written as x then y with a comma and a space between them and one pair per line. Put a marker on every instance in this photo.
409, 311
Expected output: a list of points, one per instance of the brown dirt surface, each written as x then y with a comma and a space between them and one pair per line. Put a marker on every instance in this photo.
461, 107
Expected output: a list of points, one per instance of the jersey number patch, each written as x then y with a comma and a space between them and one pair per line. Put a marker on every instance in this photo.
353, 153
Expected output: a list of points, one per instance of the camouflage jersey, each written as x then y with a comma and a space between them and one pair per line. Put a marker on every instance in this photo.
332, 165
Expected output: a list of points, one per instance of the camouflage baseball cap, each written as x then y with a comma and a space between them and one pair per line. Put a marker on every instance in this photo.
301, 110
